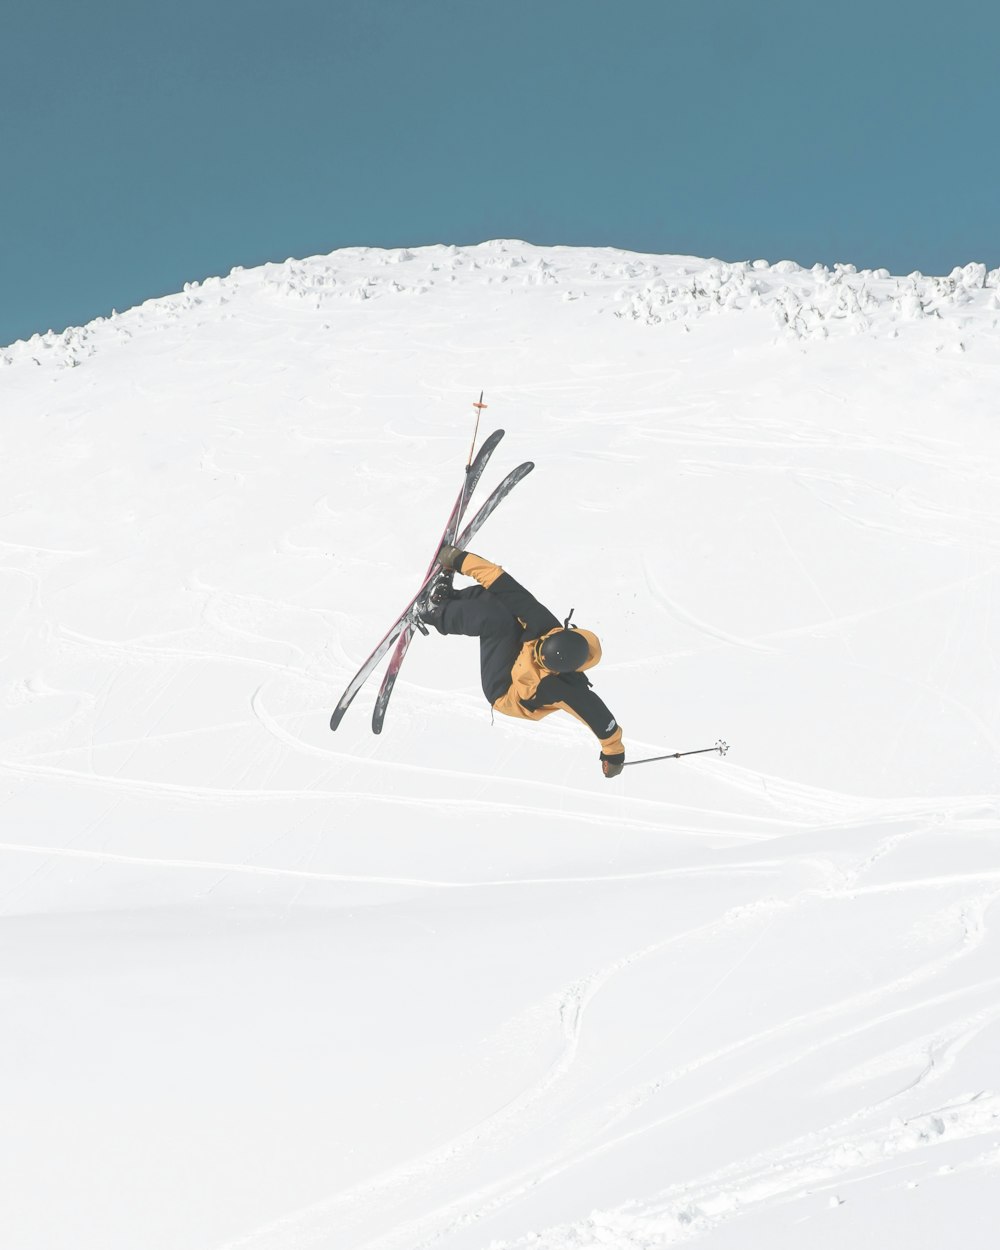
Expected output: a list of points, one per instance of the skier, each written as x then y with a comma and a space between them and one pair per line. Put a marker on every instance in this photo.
531, 665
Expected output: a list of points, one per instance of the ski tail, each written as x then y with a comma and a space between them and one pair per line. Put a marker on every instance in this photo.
389, 680
365, 671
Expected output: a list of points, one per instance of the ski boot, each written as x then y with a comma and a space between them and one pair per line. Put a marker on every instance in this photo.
430, 605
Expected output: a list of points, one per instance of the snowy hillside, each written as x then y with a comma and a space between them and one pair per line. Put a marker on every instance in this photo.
269, 987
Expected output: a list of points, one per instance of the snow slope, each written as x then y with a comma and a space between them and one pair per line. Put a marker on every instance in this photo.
268, 987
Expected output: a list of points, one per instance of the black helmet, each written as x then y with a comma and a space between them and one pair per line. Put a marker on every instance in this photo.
563, 651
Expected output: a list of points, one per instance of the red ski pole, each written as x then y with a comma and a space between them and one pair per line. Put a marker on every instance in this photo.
475, 433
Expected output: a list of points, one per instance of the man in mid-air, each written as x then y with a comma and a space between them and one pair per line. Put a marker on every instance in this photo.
531, 665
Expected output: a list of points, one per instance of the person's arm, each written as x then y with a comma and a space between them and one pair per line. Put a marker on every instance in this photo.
574, 692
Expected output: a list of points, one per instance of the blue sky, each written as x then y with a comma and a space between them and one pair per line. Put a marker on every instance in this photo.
149, 144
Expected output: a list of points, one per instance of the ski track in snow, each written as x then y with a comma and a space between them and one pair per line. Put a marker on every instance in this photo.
263, 870
317, 1223
334, 1218
627, 1015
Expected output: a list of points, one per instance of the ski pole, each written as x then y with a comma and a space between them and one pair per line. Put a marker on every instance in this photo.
475, 433
720, 746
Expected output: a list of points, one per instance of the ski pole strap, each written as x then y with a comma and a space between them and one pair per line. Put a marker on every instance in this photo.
720, 746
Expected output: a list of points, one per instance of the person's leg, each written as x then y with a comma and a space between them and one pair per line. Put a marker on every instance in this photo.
522, 603
475, 612
498, 649
469, 612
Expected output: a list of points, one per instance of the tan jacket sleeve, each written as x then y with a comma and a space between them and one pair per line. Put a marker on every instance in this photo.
482, 570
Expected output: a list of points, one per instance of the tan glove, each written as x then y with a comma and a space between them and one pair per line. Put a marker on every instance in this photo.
450, 558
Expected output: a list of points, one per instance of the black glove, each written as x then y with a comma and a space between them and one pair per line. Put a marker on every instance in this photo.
450, 558
611, 765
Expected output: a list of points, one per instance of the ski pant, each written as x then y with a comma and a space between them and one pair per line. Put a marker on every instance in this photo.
503, 618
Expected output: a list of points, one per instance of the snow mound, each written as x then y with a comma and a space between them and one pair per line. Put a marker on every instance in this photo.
649, 289
272, 987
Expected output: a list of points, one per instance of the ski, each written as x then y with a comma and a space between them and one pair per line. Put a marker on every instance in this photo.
473, 473
490, 506
405, 617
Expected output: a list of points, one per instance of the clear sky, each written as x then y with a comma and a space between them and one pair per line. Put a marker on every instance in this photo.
146, 144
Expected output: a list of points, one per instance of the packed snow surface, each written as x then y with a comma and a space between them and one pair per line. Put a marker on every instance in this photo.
267, 987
